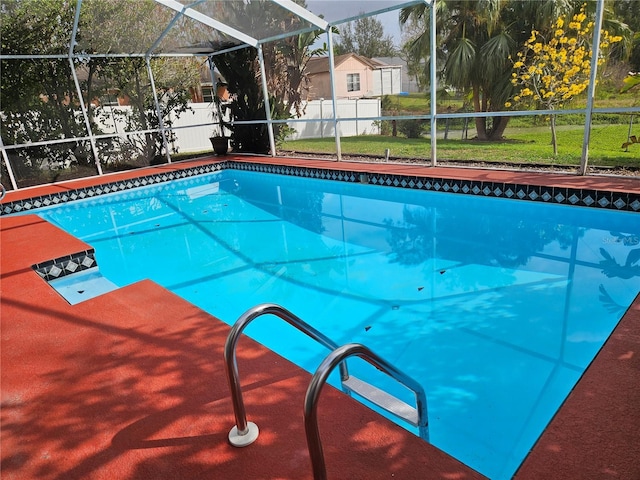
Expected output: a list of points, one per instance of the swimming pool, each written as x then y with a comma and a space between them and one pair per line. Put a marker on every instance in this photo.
495, 306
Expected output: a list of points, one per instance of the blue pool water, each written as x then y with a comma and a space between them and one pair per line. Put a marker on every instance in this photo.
495, 306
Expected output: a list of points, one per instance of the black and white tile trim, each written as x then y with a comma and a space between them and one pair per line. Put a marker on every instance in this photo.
560, 195
67, 265
626, 201
97, 190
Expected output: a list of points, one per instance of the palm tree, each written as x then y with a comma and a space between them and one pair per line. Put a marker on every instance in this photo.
285, 61
477, 38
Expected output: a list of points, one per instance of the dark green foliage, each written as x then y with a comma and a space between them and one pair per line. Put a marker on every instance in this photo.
239, 70
413, 128
284, 62
476, 39
39, 98
628, 12
386, 103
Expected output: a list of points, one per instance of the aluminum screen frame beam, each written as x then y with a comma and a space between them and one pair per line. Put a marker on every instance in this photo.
303, 13
591, 91
202, 18
83, 107
380, 11
177, 17
7, 164
159, 109
332, 78
433, 92
267, 106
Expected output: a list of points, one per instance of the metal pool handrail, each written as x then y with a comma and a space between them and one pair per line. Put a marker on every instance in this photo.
3, 191
245, 433
338, 356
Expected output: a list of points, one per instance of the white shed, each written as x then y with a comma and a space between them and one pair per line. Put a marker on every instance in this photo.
387, 80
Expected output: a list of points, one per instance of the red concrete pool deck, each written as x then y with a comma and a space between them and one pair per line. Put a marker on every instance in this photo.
130, 385
595, 182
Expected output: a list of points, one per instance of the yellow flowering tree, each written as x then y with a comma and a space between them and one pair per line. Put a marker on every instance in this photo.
551, 71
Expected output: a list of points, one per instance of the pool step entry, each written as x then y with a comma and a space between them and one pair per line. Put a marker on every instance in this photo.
382, 399
75, 277
245, 433
83, 286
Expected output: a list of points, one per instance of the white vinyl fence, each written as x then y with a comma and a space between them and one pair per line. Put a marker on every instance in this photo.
193, 128
194, 137
318, 118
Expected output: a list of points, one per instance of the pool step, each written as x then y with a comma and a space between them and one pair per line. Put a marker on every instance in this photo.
85, 285
381, 398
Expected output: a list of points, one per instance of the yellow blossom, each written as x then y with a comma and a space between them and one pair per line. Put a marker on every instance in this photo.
554, 71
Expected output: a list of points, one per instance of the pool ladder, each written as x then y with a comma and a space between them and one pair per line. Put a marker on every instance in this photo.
245, 433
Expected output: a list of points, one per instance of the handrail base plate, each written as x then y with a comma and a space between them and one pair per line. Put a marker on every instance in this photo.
248, 438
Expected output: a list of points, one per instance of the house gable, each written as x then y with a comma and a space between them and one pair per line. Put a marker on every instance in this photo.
355, 77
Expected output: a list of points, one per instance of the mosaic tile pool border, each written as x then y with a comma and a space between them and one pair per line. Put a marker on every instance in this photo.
624, 201
33, 203
67, 265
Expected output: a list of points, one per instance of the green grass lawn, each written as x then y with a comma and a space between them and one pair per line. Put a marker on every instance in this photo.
418, 103
521, 145
527, 140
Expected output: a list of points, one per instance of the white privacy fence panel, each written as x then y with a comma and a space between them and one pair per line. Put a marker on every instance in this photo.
196, 137
319, 118
193, 128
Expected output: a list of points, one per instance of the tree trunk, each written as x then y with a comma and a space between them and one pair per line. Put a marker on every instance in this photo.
554, 139
92, 71
499, 126
148, 148
481, 122
138, 101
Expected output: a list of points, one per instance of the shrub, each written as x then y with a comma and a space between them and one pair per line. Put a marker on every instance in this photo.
413, 128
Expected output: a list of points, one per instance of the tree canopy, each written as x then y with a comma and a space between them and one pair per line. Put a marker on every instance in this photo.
551, 70
285, 62
365, 36
476, 40
628, 12
41, 102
